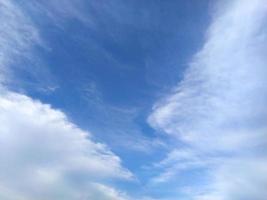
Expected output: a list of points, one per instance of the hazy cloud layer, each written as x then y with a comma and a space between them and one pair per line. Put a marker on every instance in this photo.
219, 109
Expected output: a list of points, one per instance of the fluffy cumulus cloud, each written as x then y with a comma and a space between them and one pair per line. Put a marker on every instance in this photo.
219, 109
43, 155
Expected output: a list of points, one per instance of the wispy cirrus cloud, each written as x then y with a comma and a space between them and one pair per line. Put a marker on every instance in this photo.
227, 76
218, 110
17, 36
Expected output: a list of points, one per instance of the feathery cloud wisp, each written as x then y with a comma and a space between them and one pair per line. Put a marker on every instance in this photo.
220, 106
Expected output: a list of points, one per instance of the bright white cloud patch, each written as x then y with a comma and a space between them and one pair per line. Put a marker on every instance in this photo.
42, 154
219, 108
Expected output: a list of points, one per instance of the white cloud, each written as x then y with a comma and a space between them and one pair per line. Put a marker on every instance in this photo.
42, 154
106, 193
219, 108
224, 88
241, 179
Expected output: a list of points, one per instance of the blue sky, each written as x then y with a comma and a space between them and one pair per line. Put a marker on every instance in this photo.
133, 100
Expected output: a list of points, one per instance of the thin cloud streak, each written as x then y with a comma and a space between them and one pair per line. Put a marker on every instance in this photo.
17, 35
